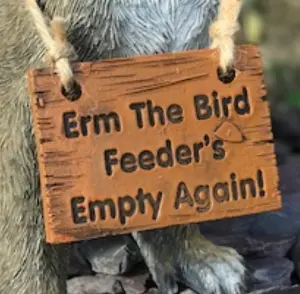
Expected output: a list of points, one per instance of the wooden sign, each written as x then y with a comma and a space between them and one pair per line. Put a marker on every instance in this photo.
153, 141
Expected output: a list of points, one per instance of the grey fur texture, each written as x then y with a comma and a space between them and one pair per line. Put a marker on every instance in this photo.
98, 29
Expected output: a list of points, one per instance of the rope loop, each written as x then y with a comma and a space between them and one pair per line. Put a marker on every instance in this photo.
223, 30
59, 52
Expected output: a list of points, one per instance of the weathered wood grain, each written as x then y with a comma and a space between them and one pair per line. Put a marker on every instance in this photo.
75, 167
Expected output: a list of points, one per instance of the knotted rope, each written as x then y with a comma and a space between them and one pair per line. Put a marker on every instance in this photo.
223, 30
60, 52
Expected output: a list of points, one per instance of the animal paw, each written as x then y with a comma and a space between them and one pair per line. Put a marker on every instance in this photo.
182, 255
211, 269
204, 268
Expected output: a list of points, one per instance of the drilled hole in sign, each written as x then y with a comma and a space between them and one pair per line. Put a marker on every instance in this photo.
74, 93
227, 77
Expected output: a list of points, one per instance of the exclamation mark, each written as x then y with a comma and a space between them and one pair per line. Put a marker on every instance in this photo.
260, 181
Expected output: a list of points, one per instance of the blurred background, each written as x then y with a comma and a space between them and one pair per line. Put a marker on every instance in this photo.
274, 25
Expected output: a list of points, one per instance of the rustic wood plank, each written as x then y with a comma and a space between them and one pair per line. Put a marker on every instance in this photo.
232, 149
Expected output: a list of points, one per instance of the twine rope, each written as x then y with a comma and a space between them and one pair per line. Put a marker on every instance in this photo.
223, 30
60, 52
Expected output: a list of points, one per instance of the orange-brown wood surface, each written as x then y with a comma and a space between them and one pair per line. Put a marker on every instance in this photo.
153, 141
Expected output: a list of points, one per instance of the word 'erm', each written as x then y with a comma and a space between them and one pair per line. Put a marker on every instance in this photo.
147, 114
200, 198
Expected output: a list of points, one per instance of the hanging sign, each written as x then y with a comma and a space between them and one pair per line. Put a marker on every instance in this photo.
153, 141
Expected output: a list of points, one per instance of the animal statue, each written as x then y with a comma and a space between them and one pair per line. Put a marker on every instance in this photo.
98, 29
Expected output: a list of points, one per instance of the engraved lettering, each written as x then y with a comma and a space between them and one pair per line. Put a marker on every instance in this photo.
219, 106
122, 208
69, 125
149, 115
78, 209
75, 125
